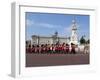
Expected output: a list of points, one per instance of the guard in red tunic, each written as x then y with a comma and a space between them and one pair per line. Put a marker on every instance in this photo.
67, 48
42, 48
33, 49
56, 48
73, 48
29, 49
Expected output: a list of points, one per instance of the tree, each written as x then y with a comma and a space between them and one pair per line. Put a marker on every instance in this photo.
82, 40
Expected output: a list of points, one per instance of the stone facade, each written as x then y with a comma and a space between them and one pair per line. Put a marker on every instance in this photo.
48, 40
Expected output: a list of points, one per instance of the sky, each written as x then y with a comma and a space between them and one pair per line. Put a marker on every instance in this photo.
46, 24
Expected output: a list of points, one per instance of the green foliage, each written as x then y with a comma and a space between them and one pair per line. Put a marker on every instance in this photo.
82, 40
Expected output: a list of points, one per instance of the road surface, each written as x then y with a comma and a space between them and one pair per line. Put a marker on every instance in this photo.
34, 60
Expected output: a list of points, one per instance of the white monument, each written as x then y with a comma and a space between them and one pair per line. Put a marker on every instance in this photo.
74, 37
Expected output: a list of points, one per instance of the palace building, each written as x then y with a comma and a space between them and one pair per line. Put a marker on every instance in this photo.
54, 39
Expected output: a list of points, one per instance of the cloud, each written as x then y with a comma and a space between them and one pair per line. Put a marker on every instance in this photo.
67, 29
46, 25
33, 23
29, 22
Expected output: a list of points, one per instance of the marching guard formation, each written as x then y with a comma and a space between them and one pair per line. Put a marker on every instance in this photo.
52, 49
